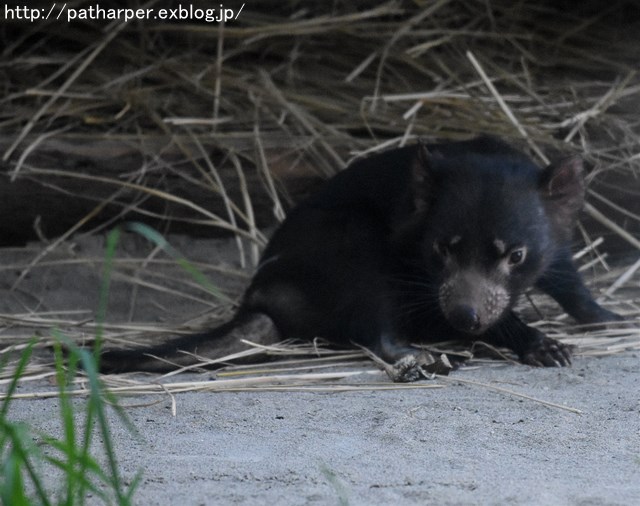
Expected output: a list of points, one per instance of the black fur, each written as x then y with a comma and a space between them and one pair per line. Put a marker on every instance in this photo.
420, 244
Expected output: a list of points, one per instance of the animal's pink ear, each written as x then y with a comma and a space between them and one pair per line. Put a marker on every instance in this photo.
421, 176
562, 188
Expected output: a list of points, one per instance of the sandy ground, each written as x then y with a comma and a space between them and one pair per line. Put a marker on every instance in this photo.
455, 445
459, 444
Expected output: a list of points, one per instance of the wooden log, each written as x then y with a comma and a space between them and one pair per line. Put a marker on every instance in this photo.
64, 179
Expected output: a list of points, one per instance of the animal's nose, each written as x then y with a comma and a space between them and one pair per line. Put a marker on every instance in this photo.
464, 318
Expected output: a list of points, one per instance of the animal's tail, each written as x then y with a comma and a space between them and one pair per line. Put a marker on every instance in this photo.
188, 350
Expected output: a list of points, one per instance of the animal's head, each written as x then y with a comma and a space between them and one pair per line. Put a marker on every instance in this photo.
493, 222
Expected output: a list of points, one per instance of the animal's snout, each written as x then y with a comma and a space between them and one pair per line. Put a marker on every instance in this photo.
465, 318
472, 301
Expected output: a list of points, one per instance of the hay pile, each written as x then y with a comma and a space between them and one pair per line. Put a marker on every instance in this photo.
296, 88
231, 123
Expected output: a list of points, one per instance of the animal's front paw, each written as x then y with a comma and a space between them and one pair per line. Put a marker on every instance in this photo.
549, 353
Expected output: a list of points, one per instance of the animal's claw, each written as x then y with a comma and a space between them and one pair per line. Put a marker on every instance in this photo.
549, 353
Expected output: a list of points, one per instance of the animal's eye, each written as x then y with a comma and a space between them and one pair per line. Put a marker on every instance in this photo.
517, 256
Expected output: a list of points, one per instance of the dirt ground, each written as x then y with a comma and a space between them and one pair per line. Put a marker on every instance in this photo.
459, 444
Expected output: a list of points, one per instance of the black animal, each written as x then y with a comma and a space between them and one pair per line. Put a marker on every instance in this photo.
411, 245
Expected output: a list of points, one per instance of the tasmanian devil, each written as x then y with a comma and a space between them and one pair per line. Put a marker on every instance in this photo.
421, 243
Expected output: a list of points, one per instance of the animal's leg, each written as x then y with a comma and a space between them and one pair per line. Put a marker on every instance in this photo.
563, 282
531, 345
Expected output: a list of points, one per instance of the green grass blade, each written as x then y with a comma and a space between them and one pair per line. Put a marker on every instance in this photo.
69, 443
12, 486
13, 385
96, 407
112, 242
79, 476
21, 447
155, 237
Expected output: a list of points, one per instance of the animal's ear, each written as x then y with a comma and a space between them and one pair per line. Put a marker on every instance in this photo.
562, 188
421, 176
408, 226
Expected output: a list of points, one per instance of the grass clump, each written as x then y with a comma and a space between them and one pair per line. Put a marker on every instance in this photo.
28, 454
